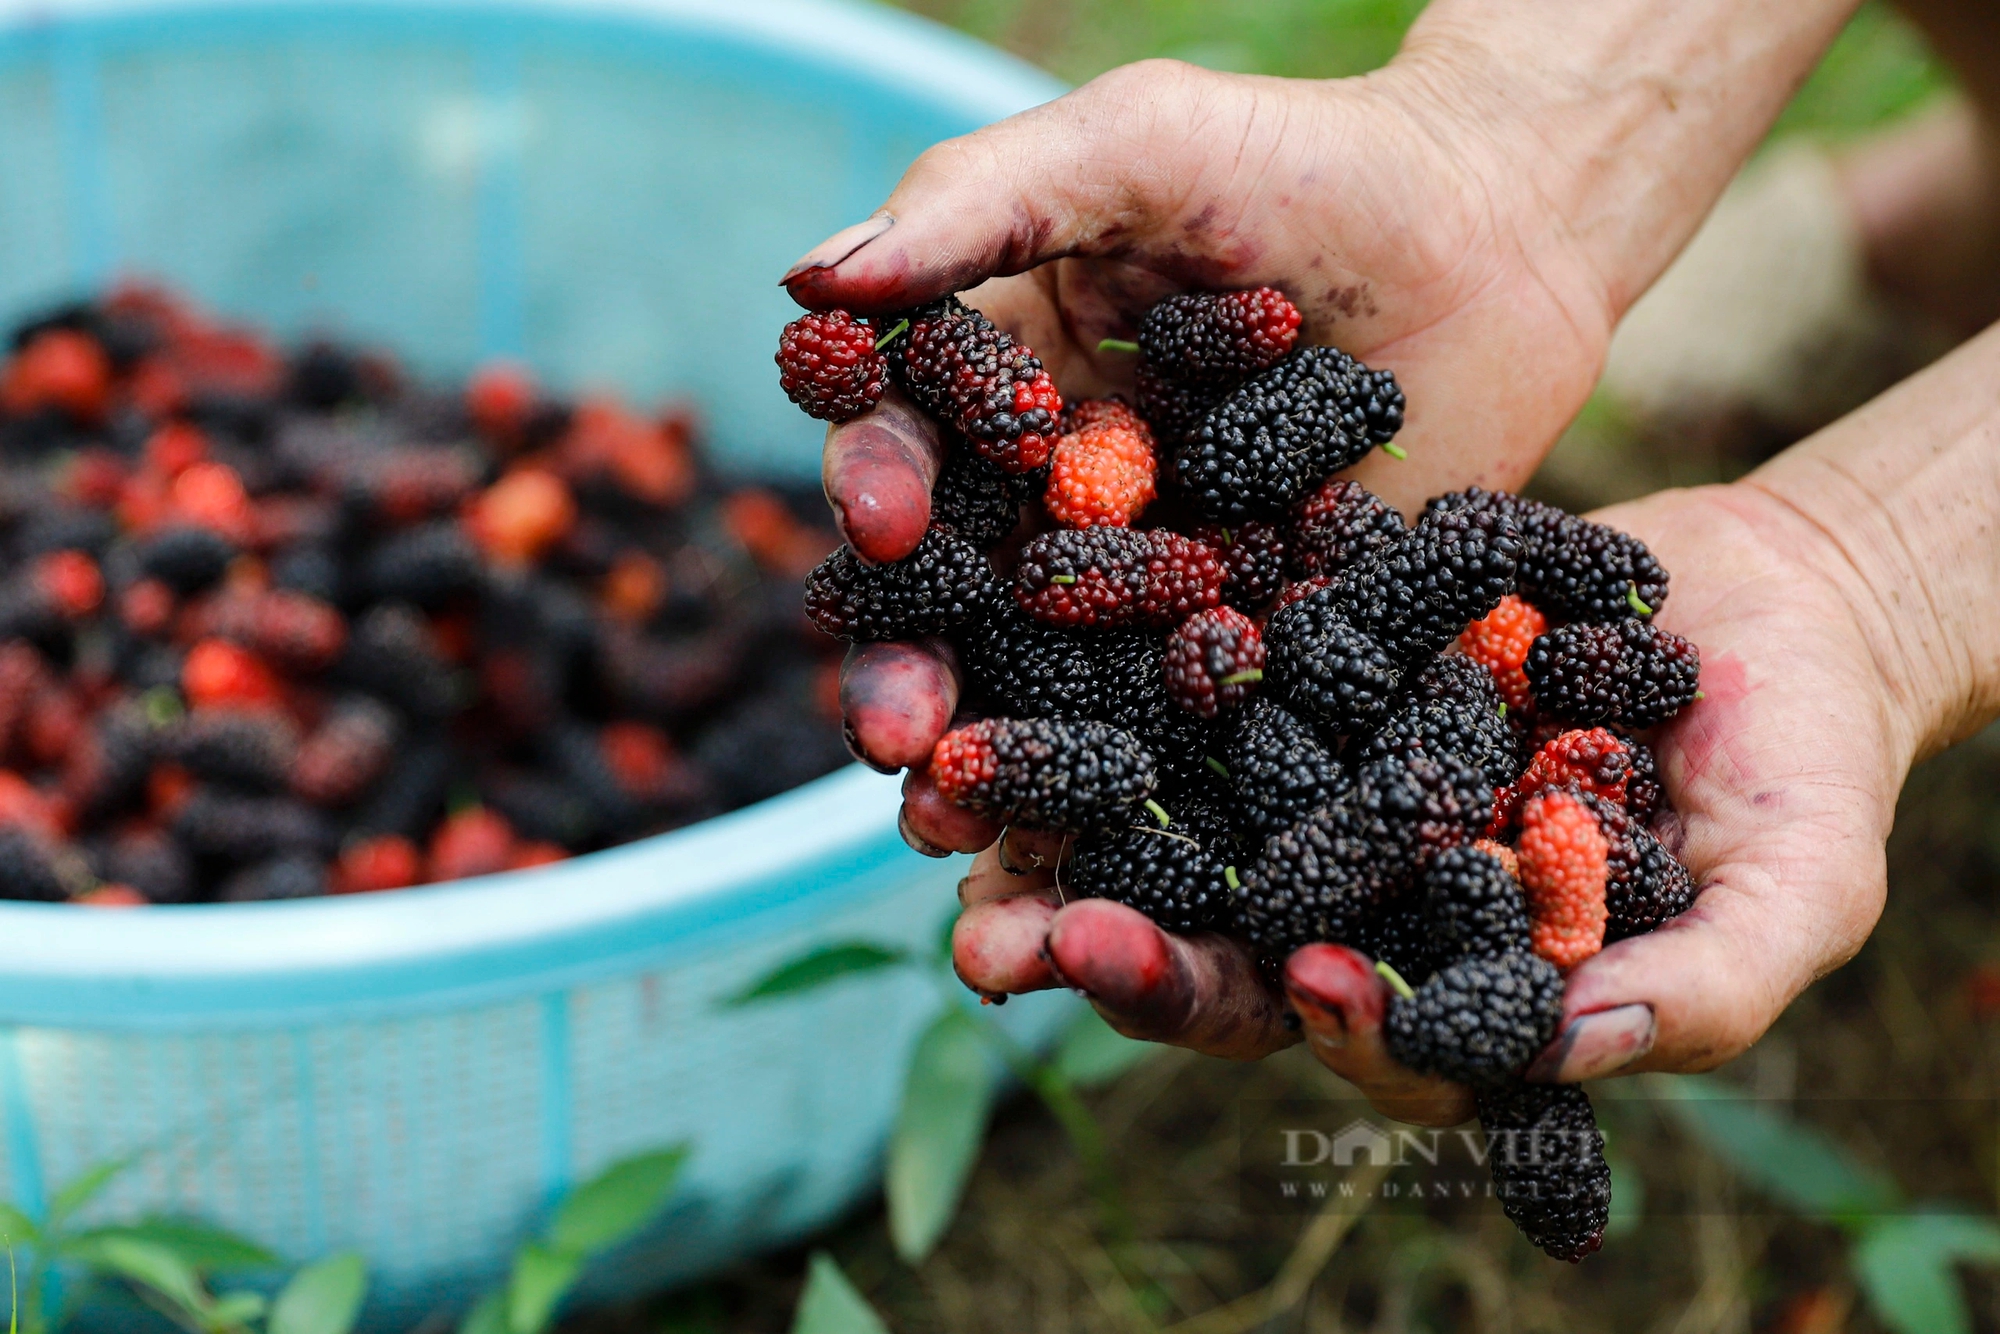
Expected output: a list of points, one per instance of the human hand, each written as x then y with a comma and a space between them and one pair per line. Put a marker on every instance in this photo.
1417, 216
1438, 263
1837, 597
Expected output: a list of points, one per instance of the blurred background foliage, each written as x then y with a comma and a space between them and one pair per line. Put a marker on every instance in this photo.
1878, 69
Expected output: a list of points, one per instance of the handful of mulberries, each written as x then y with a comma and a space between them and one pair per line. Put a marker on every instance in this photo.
1266, 705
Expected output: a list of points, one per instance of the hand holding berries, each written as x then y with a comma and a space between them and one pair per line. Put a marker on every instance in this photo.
1341, 807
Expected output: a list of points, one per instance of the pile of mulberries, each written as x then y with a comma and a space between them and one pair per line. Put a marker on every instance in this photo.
275, 625
1264, 704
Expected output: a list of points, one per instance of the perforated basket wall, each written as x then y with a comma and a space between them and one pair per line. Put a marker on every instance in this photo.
609, 191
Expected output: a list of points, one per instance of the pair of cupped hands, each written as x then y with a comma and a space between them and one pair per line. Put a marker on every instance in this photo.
1415, 242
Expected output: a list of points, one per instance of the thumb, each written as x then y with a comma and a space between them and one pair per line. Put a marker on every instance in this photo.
1091, 173
1706, 985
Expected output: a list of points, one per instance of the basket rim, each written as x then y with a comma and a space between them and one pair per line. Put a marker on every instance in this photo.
913, 54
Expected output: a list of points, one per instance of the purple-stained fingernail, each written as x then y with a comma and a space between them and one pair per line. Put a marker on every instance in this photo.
1012, 859
1595, 1045
917, 842
835, 249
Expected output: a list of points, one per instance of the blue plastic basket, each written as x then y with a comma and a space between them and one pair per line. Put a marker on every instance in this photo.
608, 190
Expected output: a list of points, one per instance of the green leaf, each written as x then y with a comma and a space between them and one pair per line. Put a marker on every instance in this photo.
816, 968
1793, 1163
199, 1245
16, 1228
152, 1266
488, 1315
541, 1278
616, 1203
1905, 1266
946, 1095
81, 1191
235, 1309
830, 1305
1093, 1052
323, 1298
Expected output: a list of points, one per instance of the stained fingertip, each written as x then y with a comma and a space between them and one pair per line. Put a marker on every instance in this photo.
1119, 958
916, 841
997, 947
938, 822
831, 253
1026, 851
1592, 1046
877, 471
1336, 992
896, 700
989, 880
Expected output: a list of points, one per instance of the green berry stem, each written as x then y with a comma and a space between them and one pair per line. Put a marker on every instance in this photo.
1244, 677
1216, 765
1394, 450
891, 336
1395, 980
1062, 578
1116, 345
1159, 813
1230, 878
1636, 602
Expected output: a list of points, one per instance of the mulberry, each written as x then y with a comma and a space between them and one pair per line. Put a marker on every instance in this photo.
1183, 576
1338, 525
1044, 773
1419, 594
966, 371
1594, 761
1102, 474
1572, 568
1173, 408
828, 365
1565, 865
1028, 669
430, 566
1206, 337
1466, 726
1546, 1155
1627, 672
1174, 873
1277, 768
1327, 667
1473, 906
943, 584
1214, 661
1479, 1019
1499, 641
1253, 561
1313, 413
1085, 576
977, 501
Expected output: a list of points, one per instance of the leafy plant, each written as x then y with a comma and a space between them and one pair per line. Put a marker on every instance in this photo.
591, 1219
830, 1305
170, 1264
953, 1078
1903, 1255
